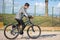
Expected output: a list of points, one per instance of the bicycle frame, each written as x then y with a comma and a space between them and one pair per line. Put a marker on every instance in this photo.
29, 22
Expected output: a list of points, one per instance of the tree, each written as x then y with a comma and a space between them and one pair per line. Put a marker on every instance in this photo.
46, 7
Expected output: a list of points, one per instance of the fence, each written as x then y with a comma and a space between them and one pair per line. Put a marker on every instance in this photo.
39, 14
56, 14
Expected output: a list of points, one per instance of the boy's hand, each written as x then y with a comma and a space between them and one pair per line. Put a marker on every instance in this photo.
31, 17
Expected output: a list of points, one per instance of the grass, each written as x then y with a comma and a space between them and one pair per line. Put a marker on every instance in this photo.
38, 20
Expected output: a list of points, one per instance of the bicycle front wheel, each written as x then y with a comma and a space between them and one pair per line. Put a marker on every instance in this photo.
10, 33
34, 34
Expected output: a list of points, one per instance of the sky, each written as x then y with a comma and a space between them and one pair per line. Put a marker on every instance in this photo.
40, 6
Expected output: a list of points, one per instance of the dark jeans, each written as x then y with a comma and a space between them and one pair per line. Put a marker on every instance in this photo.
20, 22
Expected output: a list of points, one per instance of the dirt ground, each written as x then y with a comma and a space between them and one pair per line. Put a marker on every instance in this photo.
44, 36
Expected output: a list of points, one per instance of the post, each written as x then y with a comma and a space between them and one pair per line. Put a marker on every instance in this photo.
35, 10
52, 14
3, 7
12, 6
1, 15
59, 16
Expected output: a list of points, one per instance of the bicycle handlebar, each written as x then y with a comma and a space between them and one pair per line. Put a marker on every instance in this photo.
28, 20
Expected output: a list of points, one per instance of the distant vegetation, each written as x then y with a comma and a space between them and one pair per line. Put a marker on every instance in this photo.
39, 20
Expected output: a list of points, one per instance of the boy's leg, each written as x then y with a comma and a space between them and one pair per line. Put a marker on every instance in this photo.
20, 22
23, 24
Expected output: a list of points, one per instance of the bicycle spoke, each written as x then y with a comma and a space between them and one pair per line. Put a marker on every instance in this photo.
34, 34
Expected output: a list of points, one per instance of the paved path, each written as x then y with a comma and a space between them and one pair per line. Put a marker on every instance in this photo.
44, 36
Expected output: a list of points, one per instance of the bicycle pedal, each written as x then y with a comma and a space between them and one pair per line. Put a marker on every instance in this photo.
21, 33
12, 34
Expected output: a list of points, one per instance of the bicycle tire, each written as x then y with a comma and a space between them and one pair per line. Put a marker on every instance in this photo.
6, 35
34, 37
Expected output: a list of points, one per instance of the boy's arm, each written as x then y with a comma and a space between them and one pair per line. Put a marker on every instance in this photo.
24, 12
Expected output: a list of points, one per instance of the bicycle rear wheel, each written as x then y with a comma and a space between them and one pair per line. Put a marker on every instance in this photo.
34, 34
10, 33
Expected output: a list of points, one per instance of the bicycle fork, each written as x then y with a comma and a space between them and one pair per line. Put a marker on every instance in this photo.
33, 28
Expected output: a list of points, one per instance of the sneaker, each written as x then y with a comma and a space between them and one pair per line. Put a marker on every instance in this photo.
13, 27
21, 32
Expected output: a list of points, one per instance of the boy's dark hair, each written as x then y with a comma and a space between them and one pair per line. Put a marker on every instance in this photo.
26, 4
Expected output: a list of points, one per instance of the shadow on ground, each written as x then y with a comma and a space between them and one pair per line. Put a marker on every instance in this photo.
42, 36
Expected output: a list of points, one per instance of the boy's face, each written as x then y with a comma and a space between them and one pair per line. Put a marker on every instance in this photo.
26, 7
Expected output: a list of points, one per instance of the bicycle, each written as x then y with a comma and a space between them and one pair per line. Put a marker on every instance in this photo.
33, 31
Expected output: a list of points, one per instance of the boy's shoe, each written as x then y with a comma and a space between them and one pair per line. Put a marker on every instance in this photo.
21, 32
13, 27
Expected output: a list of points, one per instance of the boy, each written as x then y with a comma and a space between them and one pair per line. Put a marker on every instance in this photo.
21, 14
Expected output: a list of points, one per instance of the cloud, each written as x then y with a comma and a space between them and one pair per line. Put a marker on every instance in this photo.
40, 5
16, 8
57, 8
58, 4
8, 3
